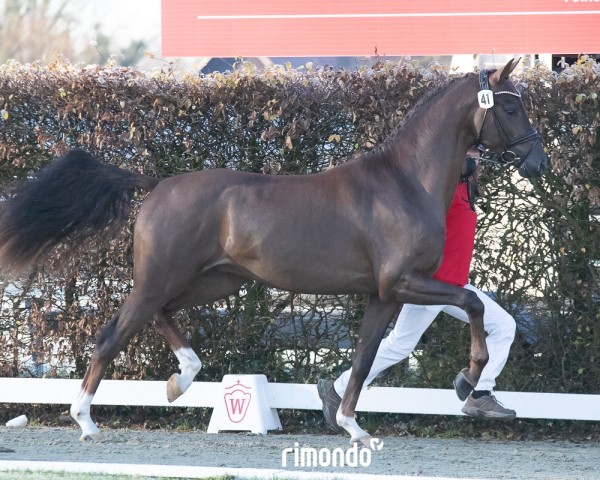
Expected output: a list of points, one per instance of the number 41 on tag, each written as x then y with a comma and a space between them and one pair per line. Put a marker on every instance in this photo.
486, 98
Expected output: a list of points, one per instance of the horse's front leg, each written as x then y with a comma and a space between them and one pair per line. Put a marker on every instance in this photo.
421, 290
378, 316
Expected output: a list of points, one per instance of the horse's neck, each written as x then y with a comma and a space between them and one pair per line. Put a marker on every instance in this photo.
432, 145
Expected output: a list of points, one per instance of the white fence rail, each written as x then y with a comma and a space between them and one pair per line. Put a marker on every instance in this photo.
297, 396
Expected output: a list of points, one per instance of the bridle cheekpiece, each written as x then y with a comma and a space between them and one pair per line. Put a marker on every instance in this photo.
486, 101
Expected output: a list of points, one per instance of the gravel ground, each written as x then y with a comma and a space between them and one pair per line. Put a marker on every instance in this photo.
469, 458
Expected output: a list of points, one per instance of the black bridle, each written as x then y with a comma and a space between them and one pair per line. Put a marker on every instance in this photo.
507, 157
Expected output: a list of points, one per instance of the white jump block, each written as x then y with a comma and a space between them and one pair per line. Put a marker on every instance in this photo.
243, 406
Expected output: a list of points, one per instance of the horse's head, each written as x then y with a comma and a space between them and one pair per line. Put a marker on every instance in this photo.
505, 131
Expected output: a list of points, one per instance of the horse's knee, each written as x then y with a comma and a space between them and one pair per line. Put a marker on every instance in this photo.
472, 304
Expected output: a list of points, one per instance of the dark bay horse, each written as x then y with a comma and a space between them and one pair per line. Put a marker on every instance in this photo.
374, 225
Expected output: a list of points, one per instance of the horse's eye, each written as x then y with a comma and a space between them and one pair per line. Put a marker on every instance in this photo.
510, 111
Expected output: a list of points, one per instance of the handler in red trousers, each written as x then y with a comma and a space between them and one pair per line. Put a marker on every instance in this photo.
415, 319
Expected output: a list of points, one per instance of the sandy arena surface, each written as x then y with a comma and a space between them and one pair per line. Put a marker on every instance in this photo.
468, 458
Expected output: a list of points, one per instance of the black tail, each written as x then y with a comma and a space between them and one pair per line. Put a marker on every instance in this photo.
75, 196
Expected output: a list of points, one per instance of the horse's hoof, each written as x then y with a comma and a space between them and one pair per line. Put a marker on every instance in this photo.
365, 440
464, 384
369, 442
174, 391
92, 437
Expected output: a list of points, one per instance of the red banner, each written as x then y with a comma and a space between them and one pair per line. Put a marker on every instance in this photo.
287, 28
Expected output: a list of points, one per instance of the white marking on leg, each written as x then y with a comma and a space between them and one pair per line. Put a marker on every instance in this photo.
349, 424
190, 365
80, 411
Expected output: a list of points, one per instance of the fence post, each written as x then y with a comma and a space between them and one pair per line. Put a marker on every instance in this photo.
243, 406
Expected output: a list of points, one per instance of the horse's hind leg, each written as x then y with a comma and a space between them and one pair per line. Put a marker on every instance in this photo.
136, 312
208, 287
189, 363
378, 316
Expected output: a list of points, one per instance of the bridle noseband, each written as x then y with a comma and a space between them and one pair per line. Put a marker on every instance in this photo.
507, 156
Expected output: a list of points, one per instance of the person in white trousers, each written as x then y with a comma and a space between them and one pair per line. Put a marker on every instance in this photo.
415, 319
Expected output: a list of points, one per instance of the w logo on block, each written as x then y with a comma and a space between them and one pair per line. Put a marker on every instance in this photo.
237, 401
242, 405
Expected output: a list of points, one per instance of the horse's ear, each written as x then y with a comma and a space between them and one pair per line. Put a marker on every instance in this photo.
504, 73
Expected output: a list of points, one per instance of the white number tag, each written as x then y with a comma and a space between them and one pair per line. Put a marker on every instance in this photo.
486, 98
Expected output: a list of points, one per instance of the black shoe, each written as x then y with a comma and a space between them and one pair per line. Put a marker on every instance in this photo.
331, 402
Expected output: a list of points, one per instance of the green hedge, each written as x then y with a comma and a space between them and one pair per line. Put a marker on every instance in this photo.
536, 247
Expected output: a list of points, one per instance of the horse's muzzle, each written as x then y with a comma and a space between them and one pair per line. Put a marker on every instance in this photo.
535, 163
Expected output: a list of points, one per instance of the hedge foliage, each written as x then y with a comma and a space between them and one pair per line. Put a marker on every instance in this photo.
537, 247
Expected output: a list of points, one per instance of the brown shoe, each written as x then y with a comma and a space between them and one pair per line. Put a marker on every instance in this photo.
487, 407
331, 402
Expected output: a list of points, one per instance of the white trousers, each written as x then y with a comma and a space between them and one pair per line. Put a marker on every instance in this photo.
415, 319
